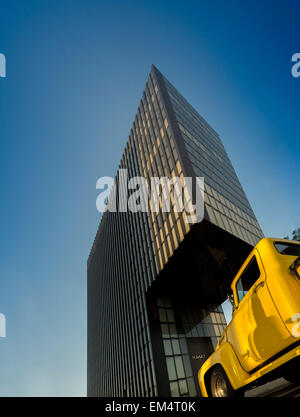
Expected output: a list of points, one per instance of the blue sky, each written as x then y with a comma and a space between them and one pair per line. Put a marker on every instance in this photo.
75, 74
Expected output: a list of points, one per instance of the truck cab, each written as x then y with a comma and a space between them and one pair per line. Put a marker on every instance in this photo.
264, 332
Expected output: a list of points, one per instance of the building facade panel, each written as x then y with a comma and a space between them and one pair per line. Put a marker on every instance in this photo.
226, 201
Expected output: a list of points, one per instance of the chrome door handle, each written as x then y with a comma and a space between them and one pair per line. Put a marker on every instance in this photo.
261, 284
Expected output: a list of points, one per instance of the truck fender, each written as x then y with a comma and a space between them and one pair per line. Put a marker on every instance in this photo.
225, 357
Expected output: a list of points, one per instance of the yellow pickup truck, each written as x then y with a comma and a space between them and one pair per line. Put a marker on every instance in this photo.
262, 341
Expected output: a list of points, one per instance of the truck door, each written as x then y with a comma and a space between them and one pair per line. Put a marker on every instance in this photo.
256, 331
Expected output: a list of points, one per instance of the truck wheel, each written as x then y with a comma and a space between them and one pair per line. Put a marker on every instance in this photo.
220, 385
292, 376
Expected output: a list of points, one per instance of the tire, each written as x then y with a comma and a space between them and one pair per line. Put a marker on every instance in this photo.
293, 376
220, 385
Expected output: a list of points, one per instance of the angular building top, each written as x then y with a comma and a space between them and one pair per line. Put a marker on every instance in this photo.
169, 138
226, 202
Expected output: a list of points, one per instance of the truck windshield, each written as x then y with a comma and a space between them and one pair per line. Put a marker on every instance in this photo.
292, 249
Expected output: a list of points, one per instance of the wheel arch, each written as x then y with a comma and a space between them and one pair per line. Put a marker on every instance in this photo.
207, 377
227, 359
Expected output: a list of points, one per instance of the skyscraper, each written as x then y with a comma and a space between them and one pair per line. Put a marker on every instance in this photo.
155, 281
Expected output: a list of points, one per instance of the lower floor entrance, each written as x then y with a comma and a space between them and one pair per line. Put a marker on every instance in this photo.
199, 348
183, 335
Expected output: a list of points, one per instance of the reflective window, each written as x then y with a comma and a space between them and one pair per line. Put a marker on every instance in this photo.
292, 249
248, 278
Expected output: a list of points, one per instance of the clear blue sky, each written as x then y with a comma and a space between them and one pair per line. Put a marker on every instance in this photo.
75, 74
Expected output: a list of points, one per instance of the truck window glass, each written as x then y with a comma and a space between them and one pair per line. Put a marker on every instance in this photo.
247, 279
292, 249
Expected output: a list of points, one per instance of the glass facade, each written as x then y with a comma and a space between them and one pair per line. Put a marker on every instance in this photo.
225, 199
191, 324
130, 353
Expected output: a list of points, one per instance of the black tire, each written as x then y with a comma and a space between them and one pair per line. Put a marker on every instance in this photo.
292, 376
220, 385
